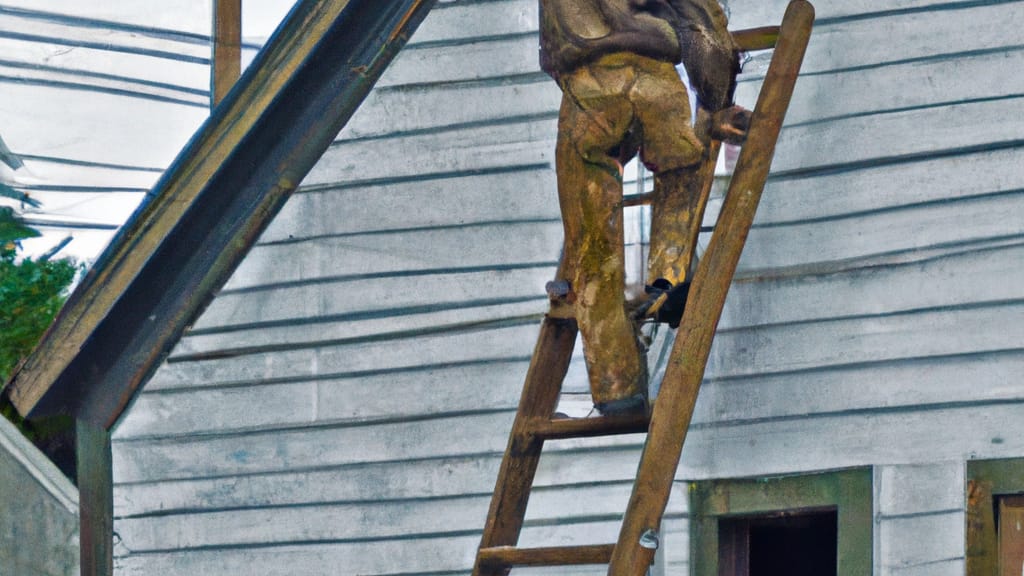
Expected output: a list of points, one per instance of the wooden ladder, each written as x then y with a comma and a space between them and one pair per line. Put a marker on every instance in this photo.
666, 428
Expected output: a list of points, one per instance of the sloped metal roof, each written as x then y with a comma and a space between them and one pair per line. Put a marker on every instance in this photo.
227, 184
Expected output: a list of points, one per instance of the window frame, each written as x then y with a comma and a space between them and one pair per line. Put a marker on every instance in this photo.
849, 492
986, 481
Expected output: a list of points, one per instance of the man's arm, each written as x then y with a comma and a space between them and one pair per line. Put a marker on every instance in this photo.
637, 41
578, 31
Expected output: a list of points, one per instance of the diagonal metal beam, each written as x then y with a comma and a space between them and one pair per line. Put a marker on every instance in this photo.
210, 206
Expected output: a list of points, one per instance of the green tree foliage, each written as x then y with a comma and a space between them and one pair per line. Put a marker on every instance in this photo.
31, 294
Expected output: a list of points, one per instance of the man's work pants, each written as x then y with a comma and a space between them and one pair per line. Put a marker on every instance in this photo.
602, 103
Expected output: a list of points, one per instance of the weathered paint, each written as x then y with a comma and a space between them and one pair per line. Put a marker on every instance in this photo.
873, 322
848, 492
96, 499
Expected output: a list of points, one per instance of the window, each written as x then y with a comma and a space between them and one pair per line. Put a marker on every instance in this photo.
801, 543
816, 525
995, 517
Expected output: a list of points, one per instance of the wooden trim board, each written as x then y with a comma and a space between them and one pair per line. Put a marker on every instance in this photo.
849, 492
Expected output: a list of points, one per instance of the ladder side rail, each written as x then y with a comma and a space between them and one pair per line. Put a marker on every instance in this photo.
674, 406
539, 399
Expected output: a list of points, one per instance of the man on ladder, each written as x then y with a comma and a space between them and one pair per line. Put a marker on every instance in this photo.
613, 60
615, 63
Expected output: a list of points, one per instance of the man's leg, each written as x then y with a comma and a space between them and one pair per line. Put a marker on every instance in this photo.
591, 124
677, 208
674, 153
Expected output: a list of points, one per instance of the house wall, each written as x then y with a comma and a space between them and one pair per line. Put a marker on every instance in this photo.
874, 322
342, 405
38, 511
345, 400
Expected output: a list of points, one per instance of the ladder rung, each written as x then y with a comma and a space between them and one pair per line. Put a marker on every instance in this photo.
757, 38
508, 556
637, 199
588, 427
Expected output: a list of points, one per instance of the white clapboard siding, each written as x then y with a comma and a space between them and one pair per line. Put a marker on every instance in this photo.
962, 379
369, 519
331, 299
748, 13
426, 105
790, 445
931, 29
376, 395
431, 554
489, 146
926, 500
674, 549
99, 73
851, 341
345, 400
94, 127
444, 555
531, 241
919, 181
964, 275
458, 21
464, 316
481, 60
815, 100
828, 243
442, 347
270, 450
896, 134
526, 193
906, 550
426, 478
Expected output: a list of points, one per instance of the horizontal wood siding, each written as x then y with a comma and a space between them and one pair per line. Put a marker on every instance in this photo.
920, 518
344, 401
874, 320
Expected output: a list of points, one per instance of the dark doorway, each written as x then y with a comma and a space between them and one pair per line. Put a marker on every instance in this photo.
1010, 528
783, 544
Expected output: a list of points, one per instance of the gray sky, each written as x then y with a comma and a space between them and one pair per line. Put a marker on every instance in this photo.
98, 97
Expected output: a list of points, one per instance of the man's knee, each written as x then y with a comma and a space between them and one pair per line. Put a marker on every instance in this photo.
682, 153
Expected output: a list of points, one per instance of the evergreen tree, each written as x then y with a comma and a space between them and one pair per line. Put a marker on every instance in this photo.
32, 291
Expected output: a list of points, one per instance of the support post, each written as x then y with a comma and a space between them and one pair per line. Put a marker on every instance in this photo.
95, 499
227, 48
